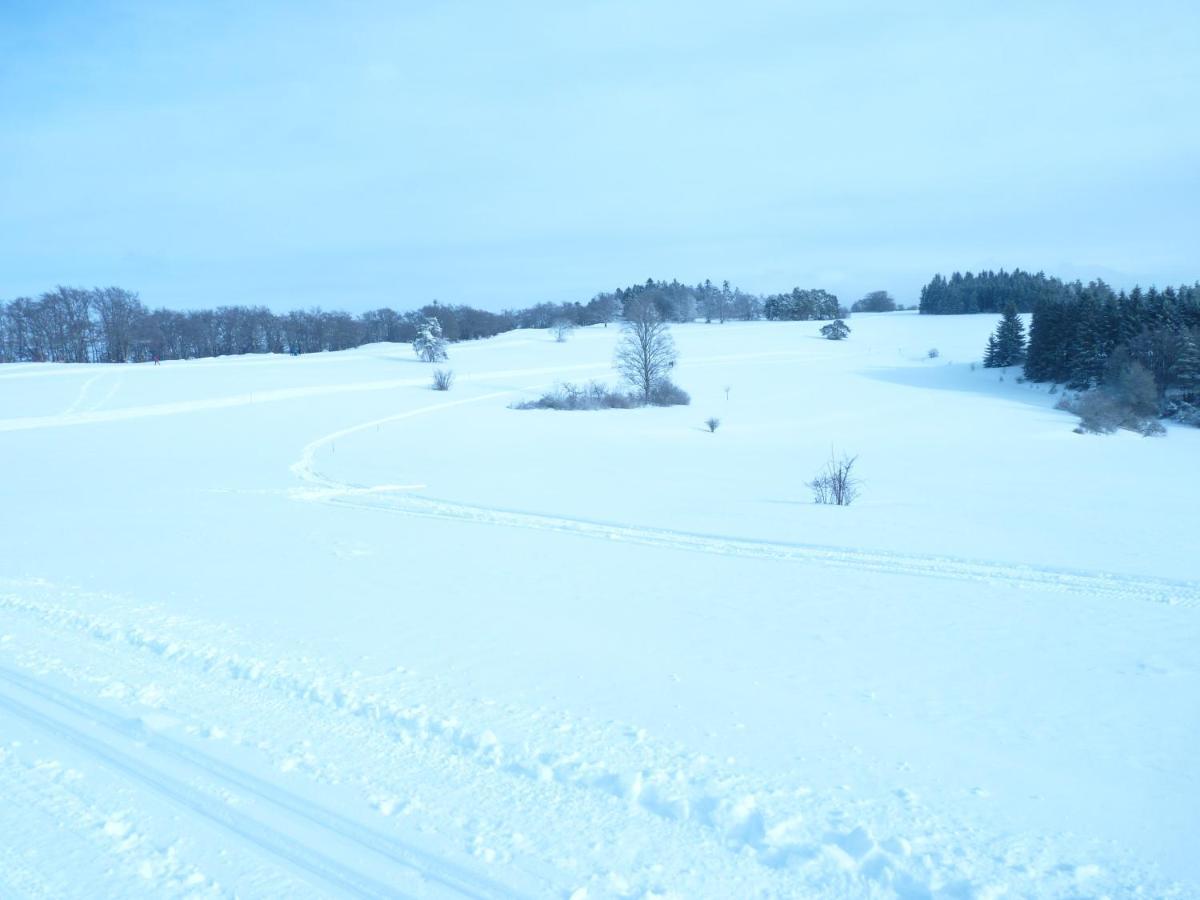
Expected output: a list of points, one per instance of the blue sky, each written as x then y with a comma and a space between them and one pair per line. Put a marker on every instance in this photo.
361, 154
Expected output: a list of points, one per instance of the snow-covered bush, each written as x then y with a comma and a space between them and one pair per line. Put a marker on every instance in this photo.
712, 423
837, 330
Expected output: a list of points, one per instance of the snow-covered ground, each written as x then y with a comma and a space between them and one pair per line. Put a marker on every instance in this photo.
287, 627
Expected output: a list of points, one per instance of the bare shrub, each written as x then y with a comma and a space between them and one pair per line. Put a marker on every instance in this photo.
597, 395
442, 379
933, 353
667, 393
593, 395
1129, 403
712, 423
835, 484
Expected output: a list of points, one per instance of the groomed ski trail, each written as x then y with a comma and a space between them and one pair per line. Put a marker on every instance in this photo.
62, 713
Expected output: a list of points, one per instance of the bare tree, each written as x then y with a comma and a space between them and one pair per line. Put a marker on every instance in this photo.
646, 353
561, 329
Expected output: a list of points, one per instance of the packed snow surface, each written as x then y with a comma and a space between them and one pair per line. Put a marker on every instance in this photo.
301, 626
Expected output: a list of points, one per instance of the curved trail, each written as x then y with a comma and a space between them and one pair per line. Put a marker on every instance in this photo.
390, 499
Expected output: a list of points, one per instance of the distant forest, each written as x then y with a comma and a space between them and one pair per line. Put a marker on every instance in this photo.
988, 292
1072, 338
113, 325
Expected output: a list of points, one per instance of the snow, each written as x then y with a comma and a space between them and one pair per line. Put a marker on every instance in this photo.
301, 626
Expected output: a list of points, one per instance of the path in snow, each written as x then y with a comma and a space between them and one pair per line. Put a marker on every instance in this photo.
387, 498
245, 738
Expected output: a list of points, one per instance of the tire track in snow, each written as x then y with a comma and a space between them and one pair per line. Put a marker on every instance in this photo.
334, 824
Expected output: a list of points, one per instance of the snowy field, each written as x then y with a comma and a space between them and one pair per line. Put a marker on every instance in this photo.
300, 627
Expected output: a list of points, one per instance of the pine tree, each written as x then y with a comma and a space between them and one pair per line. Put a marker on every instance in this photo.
991, 355
1186, 370
1007, 346
429, 343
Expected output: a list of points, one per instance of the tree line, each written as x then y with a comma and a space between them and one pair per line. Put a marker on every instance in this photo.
113, 325
988, 292
70, 324
1072, 338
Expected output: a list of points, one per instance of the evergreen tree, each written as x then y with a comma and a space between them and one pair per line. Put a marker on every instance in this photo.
991, 355
1186, 370
1007, 346
429, 344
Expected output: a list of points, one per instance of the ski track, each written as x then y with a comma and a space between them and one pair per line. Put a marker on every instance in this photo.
387, 498
716, 830
304, 857
72, 417
334, 825
81, 397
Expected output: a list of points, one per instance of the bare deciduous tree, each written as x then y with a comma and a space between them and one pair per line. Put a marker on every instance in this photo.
646, 353
561, 329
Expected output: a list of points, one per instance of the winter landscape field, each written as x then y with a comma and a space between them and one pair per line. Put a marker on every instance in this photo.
276, 626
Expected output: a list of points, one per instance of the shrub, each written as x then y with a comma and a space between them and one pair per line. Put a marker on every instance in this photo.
712, 423
665, 392
442, 379
592, 395
596, 395
836, 484
932, 353
1106, 409
837, 330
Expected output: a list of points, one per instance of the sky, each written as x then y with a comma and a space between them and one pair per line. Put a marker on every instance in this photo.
364, 154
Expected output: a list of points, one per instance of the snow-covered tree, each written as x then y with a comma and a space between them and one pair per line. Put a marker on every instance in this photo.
837, 330
429, 343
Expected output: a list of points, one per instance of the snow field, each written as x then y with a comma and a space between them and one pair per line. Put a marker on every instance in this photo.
288, 627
